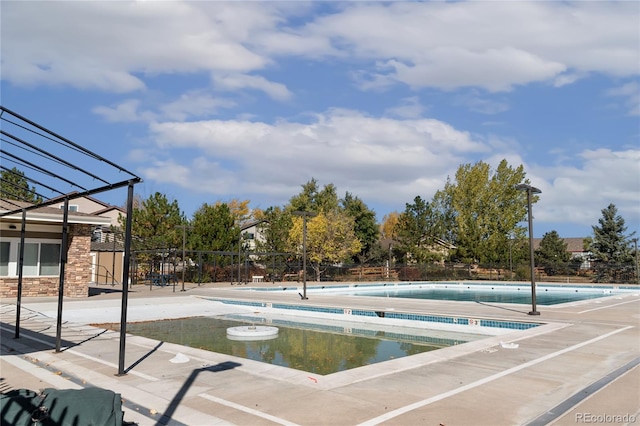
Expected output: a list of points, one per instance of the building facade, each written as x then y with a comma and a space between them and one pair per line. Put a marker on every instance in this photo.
43, 251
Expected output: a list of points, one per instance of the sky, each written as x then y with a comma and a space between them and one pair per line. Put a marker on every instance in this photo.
211, 101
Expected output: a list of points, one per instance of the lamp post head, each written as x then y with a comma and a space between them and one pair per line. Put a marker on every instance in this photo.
526, 187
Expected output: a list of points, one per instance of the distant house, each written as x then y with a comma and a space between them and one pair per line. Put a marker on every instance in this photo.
98, 208
439, 247
43, 245
575, 246
251, 234
107, 248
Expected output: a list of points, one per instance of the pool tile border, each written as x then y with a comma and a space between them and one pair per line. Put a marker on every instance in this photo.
436, 319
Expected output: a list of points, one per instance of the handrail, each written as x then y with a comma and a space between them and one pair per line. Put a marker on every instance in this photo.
106, 275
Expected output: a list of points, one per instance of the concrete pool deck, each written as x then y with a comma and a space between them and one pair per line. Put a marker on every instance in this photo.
581, 368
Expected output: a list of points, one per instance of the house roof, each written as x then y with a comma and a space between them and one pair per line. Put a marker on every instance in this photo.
48, 214
71, 195
574, 244
110, 246
250, 224
108, 209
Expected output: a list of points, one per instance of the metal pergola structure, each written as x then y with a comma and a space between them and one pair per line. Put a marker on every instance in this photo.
59, 170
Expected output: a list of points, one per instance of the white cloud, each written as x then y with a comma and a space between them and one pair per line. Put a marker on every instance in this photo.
483, 105
408, 108
578, 194
195, 103
566, 79
382, 159
111, 45
493, 69
115, 46
630, 91
125, 112
492, 45
235, 82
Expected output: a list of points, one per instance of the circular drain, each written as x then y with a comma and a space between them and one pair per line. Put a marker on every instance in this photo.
252, 332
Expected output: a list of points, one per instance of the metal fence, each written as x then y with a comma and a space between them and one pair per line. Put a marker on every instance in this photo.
166, 266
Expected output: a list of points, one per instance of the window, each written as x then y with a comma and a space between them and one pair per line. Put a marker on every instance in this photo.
41, 258
72, 207
4, 258
49, 259
30, 264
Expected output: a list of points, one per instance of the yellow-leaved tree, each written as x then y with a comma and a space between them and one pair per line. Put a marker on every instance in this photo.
330, 239
239, 210
388, 227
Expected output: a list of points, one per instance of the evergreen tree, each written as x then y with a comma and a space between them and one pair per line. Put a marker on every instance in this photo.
416, 232
552, 253
274, 229
609, 243
314, 199
365, 227
213, 228
15, 186
155, 223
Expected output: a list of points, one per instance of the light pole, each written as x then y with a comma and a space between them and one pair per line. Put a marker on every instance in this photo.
304, 216
635, 250
530, 191
184, 243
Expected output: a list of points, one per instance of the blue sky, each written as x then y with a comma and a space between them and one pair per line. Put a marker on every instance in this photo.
212, 101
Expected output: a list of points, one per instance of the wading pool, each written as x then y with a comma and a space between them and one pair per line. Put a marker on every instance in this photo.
312, 345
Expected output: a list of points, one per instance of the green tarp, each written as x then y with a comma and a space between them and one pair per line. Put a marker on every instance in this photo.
68, 407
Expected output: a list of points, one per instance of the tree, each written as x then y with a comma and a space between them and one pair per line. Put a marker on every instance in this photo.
482, 209
330, 239
275, 230
389, 222
552, 254
365, 227
213, 228
416, 232
155, 224
609, 243
15, 186
314, 199
239, 210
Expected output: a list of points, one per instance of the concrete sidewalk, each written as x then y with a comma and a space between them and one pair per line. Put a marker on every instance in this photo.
583, 362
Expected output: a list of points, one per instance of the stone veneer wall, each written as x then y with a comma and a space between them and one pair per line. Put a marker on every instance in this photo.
77, 271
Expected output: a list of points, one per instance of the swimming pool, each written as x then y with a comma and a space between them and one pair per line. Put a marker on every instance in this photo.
319, 347
546, 294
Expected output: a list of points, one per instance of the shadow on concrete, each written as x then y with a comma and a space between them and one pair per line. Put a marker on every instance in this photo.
85, 340
29, 341
526, 312
179, 396
96, 291
142, 358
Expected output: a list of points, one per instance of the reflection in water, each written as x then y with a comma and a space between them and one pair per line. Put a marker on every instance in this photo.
297, 346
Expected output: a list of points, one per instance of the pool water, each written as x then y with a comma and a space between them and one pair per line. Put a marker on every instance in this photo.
490, 294
312, 347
